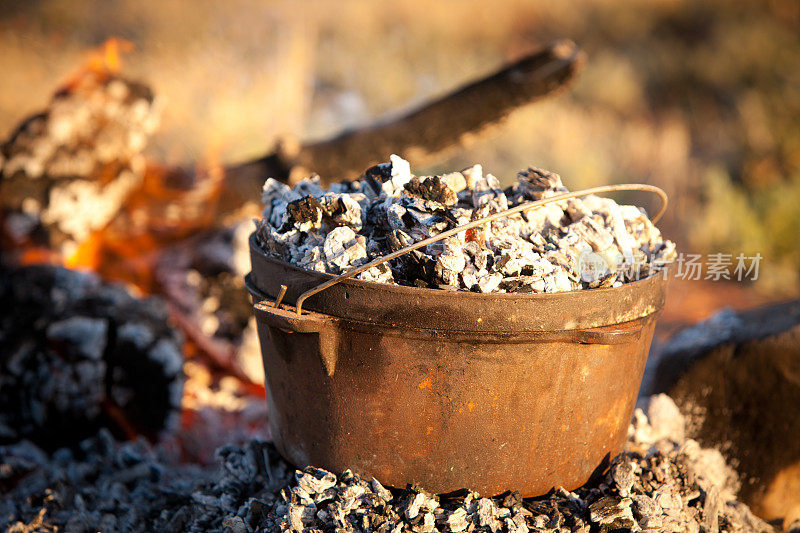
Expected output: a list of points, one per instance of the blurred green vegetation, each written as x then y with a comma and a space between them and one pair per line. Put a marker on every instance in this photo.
701, 98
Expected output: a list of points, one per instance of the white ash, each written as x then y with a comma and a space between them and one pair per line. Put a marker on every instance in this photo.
108, 486
573, 244
667, 484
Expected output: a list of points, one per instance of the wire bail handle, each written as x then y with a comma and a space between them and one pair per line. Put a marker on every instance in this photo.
475, 223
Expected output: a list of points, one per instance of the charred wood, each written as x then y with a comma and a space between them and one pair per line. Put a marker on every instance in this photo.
662, 483
420, 135
737, 378
202, 278
70, 170
67, 171
78, 354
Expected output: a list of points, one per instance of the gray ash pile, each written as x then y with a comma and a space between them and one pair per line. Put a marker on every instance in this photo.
663, 482
78, 354
575, 244
108, 486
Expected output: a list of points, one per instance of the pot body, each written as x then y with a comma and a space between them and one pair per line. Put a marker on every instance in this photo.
526, 408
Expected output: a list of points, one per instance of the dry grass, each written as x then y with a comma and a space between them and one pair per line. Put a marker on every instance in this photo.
700, 98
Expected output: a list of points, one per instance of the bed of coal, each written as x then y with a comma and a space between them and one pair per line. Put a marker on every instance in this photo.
662, 482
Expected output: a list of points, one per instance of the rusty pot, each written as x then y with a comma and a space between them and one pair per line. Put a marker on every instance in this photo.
451, 389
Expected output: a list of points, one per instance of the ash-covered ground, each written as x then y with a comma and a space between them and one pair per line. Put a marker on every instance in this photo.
662, 482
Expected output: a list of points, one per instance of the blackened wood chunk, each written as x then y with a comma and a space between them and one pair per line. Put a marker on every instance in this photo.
66, 171
305, 213
78, 354
433, 189
612, 514
538, 183
736, 377
379, 174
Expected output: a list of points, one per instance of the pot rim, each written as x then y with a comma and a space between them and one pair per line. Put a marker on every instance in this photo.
393, 304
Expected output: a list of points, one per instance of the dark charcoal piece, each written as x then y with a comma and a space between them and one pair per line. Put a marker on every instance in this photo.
415, 267
305, 210
612, 514
623, 476
78, 354
378, 175
510, 499
535, 183
432, 189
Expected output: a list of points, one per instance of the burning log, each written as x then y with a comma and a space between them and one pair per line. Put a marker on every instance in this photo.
67, 172
77, 354
75, 189
74, 185
70, 170
77, 167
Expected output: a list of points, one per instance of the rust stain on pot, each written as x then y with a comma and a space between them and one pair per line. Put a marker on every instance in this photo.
426, 383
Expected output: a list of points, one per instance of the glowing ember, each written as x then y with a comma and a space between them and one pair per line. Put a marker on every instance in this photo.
168, 206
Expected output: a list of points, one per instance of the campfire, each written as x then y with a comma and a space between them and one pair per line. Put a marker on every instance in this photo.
131, 364
77, 191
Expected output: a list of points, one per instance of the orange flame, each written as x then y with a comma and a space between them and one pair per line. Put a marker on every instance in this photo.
107, 57
101, 63
168, 206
